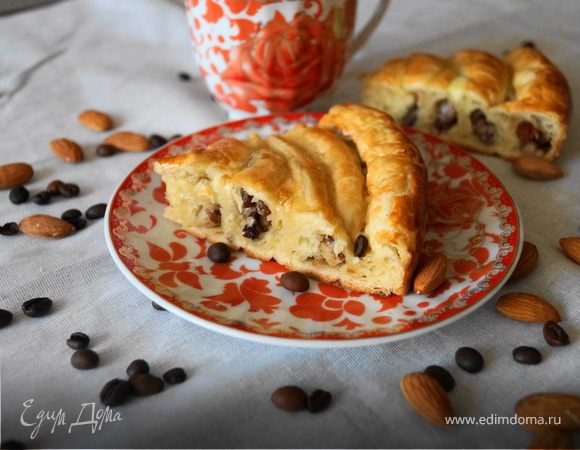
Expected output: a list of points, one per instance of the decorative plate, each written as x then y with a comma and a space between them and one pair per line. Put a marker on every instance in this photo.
472, 219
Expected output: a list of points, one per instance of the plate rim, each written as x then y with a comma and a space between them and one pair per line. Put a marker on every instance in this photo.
290, 341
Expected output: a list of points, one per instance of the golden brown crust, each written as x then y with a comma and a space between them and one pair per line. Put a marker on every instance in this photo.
318, 199
524, 84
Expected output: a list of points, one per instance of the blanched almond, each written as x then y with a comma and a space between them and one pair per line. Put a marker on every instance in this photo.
95, 120
67, 150
41, 225
571, 246
527, 308
430, 274
128, 141
15, 174
427, 397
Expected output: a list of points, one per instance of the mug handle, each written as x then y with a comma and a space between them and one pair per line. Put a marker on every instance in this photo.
370, 27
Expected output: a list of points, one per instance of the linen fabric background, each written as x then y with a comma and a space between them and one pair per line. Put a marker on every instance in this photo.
123, 57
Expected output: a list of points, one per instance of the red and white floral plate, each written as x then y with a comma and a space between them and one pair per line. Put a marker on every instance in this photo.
472, 219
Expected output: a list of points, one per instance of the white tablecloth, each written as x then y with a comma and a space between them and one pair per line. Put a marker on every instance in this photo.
123, 57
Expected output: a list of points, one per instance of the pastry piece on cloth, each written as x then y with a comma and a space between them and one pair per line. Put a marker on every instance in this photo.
304, 197
518, 104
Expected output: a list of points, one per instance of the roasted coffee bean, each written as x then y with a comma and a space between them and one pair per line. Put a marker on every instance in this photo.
290, 398
71, 214
42, 198
9, 229
555, 335
19, 195
79, 224
5, 318
137, 367
105, 150
184, 76
527, 355
175, 376
469, 359
360, 245
318, 401
528, 43
12, 445
145, 384
53, 188
69, 190
175, 136
441, 374
482, 128
295, 281
37, 307
156, 141
115, 392
96, 211
84, 359
410, 117
78, 340
219, 252
158, 307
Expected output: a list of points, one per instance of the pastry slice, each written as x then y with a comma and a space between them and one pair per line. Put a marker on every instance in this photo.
518, 104
304, 198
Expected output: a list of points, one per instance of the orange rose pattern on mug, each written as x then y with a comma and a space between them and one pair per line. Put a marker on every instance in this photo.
263, 56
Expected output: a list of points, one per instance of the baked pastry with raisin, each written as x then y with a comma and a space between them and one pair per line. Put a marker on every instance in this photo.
518, 104
303, 198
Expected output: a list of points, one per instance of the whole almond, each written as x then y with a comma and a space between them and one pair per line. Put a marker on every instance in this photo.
564, 409
430, 274
536, 168
527, 308
67, 150
571, 246
551, 440
427, 397
527, 262
95, 120
41, 225
15, 174
128, 141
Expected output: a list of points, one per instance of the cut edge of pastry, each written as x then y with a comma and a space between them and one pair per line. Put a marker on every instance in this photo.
303, 198
518, 105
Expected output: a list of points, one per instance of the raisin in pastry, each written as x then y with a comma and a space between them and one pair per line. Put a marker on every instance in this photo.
304, 197
518, 104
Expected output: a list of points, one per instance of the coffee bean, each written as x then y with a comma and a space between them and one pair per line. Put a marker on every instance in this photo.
37, 307
156, 141
184, 76
71, 214
9, 229
158, 307
527, 355
12, 445
84, 359
469, 359
318, 401
528, 43
441, 374
5, 318
290, 398
54, 187
175, 136
219, 252
19, 195
145, 384
105, 150
96, 211
295, 281
79, 224
175, 376
360, 245
555, 335
42, 198
138, 367
69, 190
115, 392
78, 340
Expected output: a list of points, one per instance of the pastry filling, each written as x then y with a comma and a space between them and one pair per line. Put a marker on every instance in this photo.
530, 136
256, 214
482, 128
214, 214
410, 117
329, 252
446, 115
